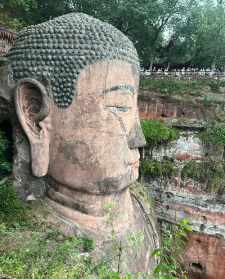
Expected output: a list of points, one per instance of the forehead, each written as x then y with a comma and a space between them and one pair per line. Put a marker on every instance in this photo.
109, 76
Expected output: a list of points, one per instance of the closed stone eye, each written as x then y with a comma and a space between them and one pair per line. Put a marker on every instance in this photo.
118, 108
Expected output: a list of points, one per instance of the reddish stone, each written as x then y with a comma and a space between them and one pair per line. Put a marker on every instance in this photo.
183, 156
196, 213
204, 257
154, 105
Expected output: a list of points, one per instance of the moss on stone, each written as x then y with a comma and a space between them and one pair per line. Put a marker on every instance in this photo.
210, 173
11, 208
158, 169
213, 134
157, 133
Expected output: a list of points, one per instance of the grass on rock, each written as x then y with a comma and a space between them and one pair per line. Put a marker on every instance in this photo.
192, 87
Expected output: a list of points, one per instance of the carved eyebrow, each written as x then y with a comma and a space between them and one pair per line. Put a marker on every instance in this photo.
127, 88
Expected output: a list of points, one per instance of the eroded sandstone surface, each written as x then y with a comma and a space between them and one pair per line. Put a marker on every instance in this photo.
181, 197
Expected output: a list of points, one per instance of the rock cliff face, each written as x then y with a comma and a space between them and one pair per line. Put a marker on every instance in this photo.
181, 107
205, 256
182, 196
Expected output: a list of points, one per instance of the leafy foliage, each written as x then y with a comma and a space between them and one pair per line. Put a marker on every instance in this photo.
35, 249
165, 86
166, 32
214, 134
157, 133
17, 14
210, 173
156, 169
173, 242
11, 208
41, 255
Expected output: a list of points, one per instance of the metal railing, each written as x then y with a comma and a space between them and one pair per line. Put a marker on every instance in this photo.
184, 74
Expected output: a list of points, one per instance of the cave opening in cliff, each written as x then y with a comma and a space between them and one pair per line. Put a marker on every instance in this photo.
196, 267
6, 148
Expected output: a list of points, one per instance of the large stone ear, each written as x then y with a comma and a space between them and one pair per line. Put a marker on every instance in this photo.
33, 111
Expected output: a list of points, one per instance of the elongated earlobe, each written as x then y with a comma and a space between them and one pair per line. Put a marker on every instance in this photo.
32, 109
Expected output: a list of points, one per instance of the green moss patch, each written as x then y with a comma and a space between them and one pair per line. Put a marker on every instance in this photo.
157, 133
11, 208
157, 169
41, 255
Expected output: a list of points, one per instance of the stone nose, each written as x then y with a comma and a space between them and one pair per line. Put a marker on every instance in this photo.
136, 137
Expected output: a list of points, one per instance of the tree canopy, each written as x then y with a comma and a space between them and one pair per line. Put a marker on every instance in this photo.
165, 32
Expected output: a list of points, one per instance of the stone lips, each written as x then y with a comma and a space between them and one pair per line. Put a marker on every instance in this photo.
57, 50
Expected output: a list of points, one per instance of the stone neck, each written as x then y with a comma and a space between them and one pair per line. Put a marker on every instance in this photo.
87, 203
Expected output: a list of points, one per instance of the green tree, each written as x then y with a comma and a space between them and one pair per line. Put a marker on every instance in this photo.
144, 21
13, 12
163, 31
199, 38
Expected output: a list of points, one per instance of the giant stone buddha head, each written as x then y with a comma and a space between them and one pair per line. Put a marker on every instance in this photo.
76, 81
76, 99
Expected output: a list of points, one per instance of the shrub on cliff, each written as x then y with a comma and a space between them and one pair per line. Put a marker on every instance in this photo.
156, 169
157, 133
174, 238
166, 86
214, 134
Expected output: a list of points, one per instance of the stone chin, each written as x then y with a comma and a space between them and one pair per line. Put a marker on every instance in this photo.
106, 185
112, 185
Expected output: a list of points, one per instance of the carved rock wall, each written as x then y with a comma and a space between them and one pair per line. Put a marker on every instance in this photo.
154, 105
177, 198
200, 256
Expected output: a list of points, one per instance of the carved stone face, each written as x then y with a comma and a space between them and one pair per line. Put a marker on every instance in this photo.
93, 144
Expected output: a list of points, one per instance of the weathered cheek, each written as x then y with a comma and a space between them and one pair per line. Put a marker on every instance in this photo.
78, 153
